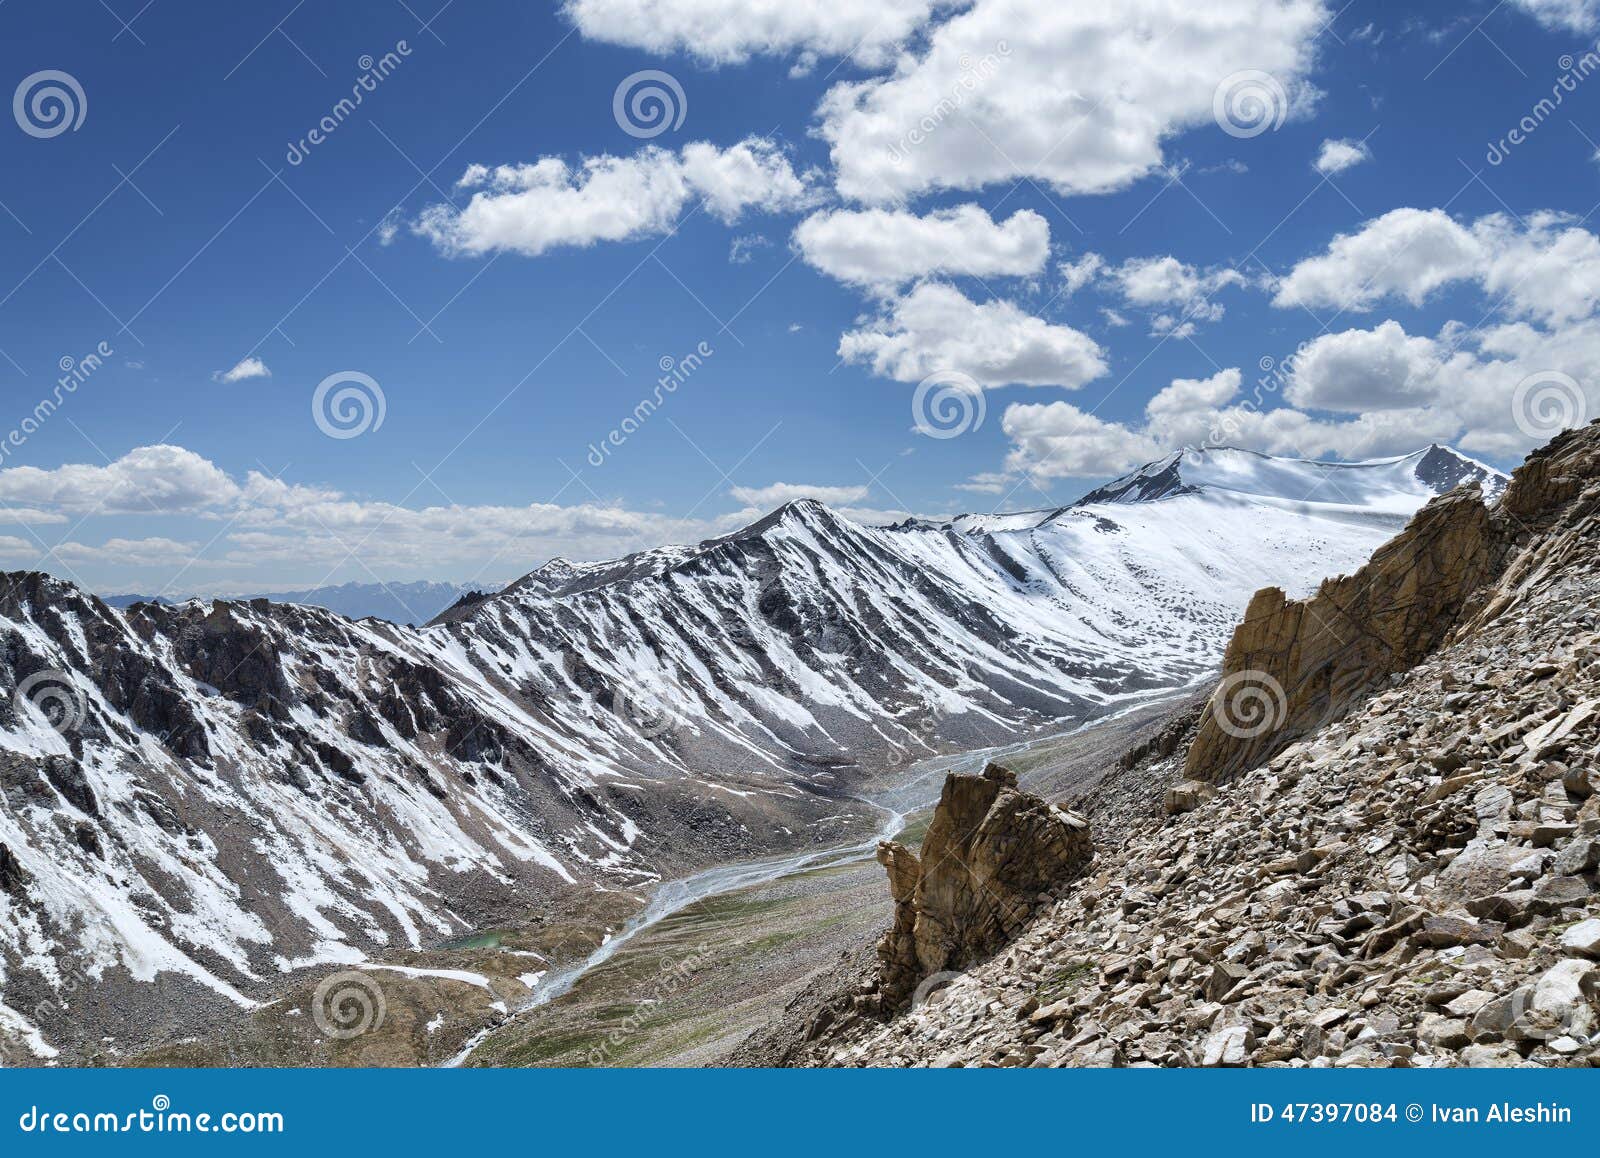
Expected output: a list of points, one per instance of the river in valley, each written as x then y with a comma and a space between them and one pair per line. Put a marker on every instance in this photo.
772, 918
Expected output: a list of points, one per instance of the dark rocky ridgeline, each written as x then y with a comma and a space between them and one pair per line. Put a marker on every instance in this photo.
1394, 863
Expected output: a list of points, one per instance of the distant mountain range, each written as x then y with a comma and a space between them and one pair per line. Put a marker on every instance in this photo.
413, 603
205, 796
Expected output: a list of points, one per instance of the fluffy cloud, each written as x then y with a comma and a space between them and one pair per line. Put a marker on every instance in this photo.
151, 552
246, 368
1464, 383
1548, 271
1406, 253
1080, 272
1182, 292
1568, 15
1500, 391
28, 517
881, 248
1058, 440
730, 31
299, 534
148, 480
1148, 281
1079, 96
532, 208
1546, 268
1337, 156
779, 493
935, 328
1383, 368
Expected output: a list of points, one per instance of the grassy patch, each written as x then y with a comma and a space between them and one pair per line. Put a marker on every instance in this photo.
1066, 981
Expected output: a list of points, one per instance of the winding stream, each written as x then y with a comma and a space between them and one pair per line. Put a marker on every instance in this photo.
917, 789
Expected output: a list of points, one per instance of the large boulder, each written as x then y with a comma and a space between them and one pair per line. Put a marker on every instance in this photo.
992, 855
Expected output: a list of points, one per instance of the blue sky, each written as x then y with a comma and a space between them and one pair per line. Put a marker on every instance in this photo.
1076, 237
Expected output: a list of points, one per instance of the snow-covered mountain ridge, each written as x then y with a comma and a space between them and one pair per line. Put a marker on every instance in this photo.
203, 797
1385, 483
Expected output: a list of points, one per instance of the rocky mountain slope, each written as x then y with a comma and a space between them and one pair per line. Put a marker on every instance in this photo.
204, 798
1376, 851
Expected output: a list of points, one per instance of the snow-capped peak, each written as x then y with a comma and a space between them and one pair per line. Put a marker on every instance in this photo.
1430, 471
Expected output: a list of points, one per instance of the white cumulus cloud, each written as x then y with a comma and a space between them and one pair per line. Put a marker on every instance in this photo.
882, 248
1183, 294
1351, 394
147, 480
1080, 271
1082, 97
1058, 440
245, 368
937, 329
1566, 15
730, 31
285, 534
1406, 253
1545, 266
1383, 368
535, 207
1337, 156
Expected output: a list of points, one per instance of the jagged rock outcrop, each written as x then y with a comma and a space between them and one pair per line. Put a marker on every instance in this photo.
992, 855
1295, 665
